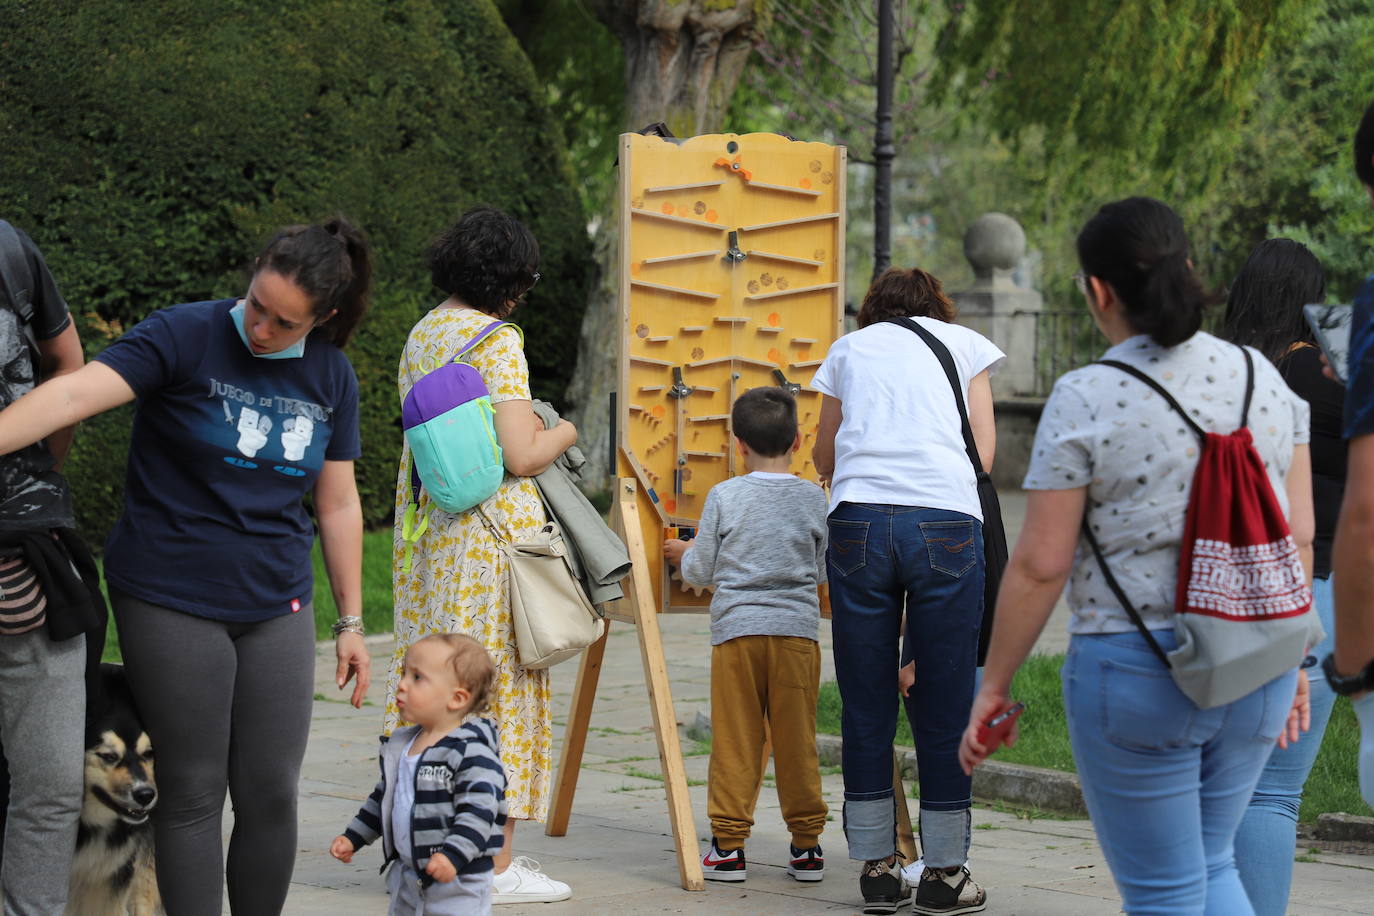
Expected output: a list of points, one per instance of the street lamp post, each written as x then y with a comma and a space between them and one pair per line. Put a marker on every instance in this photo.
883, 151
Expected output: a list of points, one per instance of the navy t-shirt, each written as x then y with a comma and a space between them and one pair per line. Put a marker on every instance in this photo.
224, 446
1359, 396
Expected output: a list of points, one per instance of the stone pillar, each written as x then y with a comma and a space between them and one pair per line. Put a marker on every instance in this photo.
996, 307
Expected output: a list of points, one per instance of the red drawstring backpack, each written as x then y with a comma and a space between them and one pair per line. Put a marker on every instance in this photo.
1243, 611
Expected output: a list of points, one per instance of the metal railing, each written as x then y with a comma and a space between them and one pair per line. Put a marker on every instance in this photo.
1066, 339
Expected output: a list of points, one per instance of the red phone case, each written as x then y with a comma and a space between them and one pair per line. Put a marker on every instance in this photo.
992, 732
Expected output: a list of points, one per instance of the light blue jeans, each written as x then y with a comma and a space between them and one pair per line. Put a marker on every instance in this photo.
1166, 782
1268, 835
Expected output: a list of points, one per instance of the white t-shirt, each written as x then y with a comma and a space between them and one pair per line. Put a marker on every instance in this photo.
403, 802
900, 442
1106, 430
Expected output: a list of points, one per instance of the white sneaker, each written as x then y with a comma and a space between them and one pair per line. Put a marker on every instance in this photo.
523, 882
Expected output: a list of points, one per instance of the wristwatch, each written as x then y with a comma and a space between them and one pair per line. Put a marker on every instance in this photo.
1343, 684
348, 624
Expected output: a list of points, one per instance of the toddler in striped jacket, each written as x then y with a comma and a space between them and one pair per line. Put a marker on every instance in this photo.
440, 806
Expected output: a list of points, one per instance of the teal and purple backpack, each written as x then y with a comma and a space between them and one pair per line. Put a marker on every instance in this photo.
449, 425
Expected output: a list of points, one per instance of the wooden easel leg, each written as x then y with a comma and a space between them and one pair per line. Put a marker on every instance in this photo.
645, 612
906, 838
575, 736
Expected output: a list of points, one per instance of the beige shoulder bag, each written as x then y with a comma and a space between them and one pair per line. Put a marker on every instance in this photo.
553, 620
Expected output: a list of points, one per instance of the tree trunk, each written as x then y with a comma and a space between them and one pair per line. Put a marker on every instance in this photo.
682, 61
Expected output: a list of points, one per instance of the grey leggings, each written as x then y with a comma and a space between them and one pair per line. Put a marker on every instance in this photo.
224, 704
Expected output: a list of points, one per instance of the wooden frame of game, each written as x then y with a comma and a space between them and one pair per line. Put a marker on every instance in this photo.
731, 277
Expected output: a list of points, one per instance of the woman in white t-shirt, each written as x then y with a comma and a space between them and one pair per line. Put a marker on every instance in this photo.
906, 533
1166, 782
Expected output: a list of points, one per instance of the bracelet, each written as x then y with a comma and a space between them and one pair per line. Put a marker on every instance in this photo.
348, 624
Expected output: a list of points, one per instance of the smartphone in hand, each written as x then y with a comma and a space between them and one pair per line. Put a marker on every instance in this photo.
993, 732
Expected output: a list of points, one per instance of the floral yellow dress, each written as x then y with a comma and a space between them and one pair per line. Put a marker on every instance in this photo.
454, 583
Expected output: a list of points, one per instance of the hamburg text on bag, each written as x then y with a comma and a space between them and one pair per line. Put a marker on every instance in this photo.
449, 426
1243, 609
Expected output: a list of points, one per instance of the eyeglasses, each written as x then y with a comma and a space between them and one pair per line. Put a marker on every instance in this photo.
1080, 279
533, 282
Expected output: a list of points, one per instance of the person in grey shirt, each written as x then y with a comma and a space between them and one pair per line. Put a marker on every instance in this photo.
761, 544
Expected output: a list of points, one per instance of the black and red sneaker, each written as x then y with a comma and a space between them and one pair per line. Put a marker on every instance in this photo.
723, 866
806, 864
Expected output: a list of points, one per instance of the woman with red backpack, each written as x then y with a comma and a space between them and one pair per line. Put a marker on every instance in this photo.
1179, 456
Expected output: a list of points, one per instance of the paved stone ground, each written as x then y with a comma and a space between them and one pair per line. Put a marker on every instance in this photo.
618, 854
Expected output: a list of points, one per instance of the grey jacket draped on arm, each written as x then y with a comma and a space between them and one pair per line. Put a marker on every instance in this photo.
598, 557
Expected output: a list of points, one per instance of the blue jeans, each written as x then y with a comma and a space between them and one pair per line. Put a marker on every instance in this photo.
1268, 835
1166, 782
881, 559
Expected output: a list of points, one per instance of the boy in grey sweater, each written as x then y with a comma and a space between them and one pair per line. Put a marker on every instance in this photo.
761, 544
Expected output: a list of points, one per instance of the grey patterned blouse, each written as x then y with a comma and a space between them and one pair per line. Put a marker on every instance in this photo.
1109, 432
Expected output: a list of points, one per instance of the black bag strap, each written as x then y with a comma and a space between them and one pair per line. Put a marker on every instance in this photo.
1249, 387
17, 278
15, 273
1178, 408
1121, 596
947, 363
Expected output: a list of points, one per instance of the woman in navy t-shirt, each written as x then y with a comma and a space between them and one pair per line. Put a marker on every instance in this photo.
243, 407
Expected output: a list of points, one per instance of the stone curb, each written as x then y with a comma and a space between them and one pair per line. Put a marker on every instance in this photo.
1345, 827
1043, 789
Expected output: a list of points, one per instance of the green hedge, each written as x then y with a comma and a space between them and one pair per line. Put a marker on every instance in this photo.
150, 148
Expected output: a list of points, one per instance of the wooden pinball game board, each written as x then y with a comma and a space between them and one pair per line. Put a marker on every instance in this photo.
732, 270
731, 277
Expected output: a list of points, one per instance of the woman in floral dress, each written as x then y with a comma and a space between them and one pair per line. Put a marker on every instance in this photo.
486, 262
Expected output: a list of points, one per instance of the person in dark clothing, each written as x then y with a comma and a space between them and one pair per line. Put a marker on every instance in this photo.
1264, 310
49, 616
245, 407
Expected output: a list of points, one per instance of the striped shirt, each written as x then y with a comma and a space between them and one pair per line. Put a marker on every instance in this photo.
22, 605
460, 800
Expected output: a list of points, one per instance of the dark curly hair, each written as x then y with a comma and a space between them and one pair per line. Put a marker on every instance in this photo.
488, 259
904, 293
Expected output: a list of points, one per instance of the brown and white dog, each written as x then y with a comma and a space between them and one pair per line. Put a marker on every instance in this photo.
113, 871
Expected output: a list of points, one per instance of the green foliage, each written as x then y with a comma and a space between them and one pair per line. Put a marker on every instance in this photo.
1305, 118
1144, 75
582, 68
150, 148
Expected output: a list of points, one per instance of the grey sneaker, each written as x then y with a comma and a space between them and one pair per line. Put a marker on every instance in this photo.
948, 892
883, 887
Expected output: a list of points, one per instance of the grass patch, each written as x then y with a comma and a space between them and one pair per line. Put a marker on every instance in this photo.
1334, 783
377, 603
643, 774
1044, 740
699, 748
